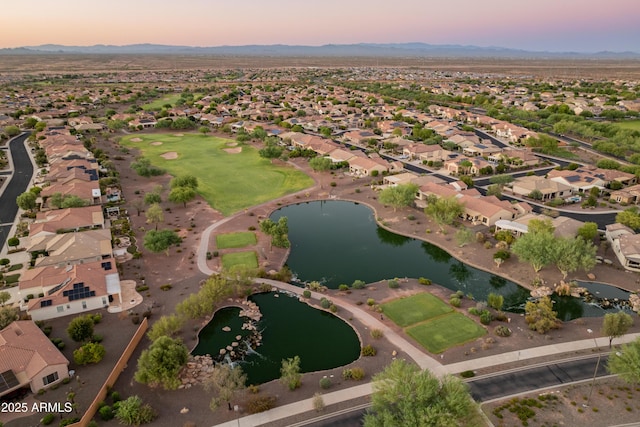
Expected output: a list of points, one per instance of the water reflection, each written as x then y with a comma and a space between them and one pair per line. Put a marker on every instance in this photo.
436, 253
390, 238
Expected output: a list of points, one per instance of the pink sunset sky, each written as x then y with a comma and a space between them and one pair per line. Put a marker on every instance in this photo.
551, 25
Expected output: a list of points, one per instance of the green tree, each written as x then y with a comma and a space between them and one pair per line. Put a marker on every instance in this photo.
226, 381
501, 256
62, 201
80, 328
588, 231
320, 164
626, 362
277, 230
158, 241
540, 226
27, 201
494, 190
540, 316
160, 364
290, 372
464, 236
444, 210
8, 315
259, 133
629, 217
536, 194
12, 130
501, 180
13, 241
495, 301
399, 196
270, 152
615, 325
132, 412
404, 395
154, 215
204, 130
91, 352
165, 326
4, 297
533, 248
152, 197
184, 181
573, 253
182, 195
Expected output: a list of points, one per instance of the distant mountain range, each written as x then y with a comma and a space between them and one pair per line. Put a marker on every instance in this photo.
334, 50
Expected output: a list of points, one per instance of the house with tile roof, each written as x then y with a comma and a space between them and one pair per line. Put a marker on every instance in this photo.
72, 289
65, 220
29, 359
625, 244
71, 248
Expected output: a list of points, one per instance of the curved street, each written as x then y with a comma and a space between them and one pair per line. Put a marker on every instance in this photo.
18, 183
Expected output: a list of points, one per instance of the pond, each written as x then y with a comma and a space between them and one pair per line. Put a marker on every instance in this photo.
338, 242
289, 328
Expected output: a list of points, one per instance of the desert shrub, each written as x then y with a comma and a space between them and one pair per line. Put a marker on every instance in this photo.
371, 302
166, 287
485, 318
424, 281
318, 402
455, 301
89, 353
106, 413
48, 419
393, 284
68, 421
502, 331
501, 316
261, 403
467, 374
357, 373
115, 397
306, 293
376, 334
96, 338
368, 350
325, 303
343, 287
487, 245
474, 311
358, 284
325, 383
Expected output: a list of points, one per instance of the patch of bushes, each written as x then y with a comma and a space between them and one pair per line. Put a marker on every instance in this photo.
106, 413
355, 373
371, 302
376, 334
485, 317
358, 284
166, 287
325, 303
369, 350
393, 284
467, 374
424, 281
47, 419
343, 287
306, 293
502, 331
455, 302
325, 383
142, 288
260, 404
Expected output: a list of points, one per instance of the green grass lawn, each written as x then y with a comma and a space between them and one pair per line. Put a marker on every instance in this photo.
236, 240
249, 259
160, 102
439, 334
632, 124
228, 182
414, 309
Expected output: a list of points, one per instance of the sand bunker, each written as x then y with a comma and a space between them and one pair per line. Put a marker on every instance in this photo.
178, 134
170, 155
233, 150
231, 144
156, 143
136, 139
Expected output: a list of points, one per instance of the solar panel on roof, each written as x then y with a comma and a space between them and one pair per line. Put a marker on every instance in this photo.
8, 381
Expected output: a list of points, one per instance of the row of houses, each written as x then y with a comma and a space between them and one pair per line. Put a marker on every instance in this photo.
73, 262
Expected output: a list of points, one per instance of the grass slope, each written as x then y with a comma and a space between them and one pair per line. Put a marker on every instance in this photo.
157, 104
228, 182
439, 334
235, 240
249, 259
414, 309
632, 124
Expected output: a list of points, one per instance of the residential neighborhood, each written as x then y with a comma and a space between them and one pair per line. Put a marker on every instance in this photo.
109, 229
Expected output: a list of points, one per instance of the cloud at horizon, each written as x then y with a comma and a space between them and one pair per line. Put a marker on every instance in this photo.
546, 25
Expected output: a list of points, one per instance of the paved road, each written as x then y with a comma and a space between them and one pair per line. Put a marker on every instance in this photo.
18, 183
519, 381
